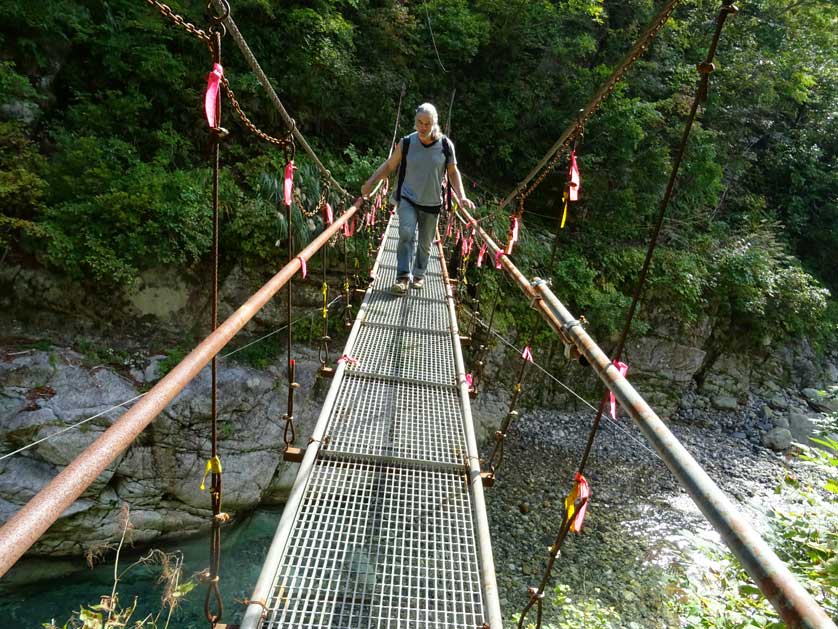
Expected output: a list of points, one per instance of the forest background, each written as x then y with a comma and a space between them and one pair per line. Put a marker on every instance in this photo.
104, 168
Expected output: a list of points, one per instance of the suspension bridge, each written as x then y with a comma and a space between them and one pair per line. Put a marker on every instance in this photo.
386, 523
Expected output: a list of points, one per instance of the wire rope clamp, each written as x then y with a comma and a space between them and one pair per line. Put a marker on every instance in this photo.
217, 134
326, 372
488, 479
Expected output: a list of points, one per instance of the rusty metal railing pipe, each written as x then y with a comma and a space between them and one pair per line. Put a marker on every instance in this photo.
794, 604
508, 266
32, 521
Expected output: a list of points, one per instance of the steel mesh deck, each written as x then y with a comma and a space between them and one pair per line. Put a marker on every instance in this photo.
383, 536
410, 354
413, 312
375, 417
385, 277
380, 546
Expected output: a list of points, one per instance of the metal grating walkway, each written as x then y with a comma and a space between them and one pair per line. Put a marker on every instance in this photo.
386, 526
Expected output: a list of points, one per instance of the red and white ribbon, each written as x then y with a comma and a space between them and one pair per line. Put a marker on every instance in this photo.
527, 354
303, 266
498, 256
349, 360
513, 235
212, 97
470, 380
330, 217
623, 369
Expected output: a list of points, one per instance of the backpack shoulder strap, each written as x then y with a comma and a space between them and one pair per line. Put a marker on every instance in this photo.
402, 166
446, 149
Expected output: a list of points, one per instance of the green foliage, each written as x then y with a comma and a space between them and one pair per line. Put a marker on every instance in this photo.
586, 609
756, 281
22, 188
805, 536
113, 178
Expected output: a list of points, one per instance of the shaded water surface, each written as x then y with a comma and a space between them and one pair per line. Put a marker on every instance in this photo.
53, 597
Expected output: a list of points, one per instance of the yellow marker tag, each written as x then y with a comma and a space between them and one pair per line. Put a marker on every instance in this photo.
570, 502
214, 466
325, 291
564, 214
518, 388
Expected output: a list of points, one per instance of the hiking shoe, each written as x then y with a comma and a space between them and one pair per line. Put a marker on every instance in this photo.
400, 287
418, 283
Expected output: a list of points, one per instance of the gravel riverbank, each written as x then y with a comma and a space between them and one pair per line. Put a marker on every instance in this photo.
642, 532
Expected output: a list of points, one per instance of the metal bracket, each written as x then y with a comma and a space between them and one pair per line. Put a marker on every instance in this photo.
292, 454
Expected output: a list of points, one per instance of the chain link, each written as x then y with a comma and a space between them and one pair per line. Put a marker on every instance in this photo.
283, 143
583, 120
181, 22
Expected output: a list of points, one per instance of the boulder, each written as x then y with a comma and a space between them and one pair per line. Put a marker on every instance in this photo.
777, 439
725, 403
801, 427
159, 475
824, 401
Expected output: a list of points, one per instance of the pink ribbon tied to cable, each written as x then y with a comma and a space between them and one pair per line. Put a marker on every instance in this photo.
289, 182
623, 369
481, 253
527, 354
581, 490
573, 185
470, 380
349, 360
212, 97
498, 256
303, 266
513, 235
330, 217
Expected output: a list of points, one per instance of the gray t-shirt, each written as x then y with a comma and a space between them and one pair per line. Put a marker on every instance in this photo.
425, 168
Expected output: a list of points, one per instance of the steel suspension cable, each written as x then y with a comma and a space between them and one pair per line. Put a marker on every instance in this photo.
704, 68
213, 595
266, 84
551, 158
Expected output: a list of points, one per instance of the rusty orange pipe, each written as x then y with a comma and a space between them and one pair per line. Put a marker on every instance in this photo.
33, 520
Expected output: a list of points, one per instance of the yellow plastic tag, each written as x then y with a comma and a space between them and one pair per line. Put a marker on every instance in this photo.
564, 213
214, 466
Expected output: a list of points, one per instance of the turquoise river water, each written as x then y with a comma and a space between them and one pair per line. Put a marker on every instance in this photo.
64, 586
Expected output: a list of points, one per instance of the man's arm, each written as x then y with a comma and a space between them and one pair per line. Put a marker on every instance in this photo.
457, 184
384, 170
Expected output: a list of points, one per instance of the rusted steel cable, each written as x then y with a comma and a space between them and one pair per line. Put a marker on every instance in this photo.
537, 594
704, 69
551, 158
266, 84
496, 458
325, 339
289, 434
213, 602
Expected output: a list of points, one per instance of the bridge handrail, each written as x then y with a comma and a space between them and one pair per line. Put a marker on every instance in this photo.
37, 515
795, 605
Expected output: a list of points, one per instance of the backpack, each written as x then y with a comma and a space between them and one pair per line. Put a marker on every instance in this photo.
446, 151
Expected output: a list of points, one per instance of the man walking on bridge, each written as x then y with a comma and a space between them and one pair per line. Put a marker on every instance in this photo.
423, 159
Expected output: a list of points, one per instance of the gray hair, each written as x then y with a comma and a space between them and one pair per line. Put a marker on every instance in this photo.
428, 108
